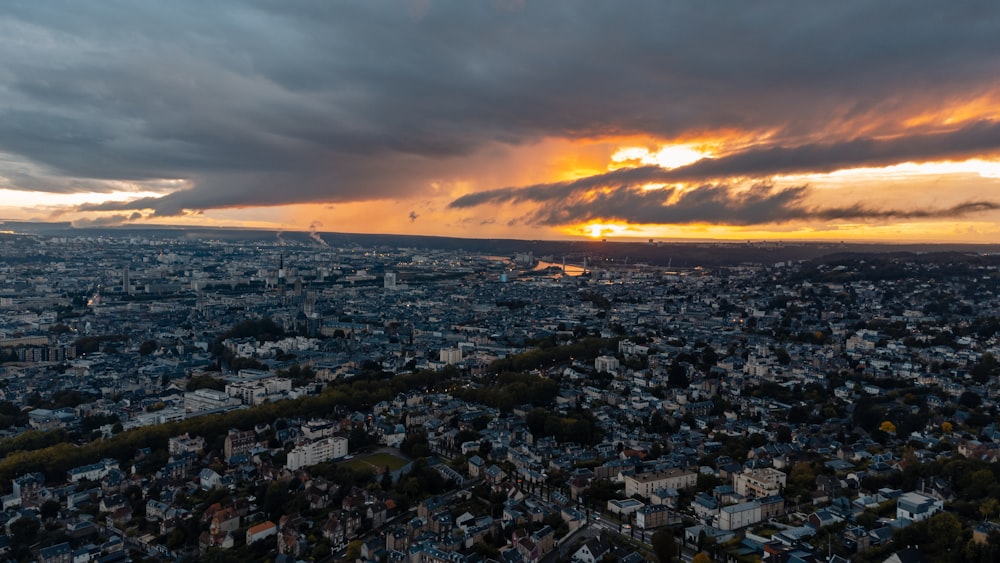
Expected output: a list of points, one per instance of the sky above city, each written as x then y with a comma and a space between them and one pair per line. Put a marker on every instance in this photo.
540, 119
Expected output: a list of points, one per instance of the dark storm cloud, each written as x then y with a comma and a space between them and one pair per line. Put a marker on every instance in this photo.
975, 139
968, 141
262, 103
572, 203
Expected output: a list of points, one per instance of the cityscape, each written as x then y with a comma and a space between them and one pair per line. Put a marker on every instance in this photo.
283, 399
499, 281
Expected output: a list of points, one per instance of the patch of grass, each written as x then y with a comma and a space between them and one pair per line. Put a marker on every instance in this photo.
766, 531
376, 461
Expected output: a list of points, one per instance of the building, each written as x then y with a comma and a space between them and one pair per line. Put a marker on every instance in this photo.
93, 472
239, 442
319, 428
255, 392
311, 453
45, 419
59, 553
451, 356
261, 531
917, 506
201, 400
593, 550
390, 280
626, 506
736, 516
178, 445
645, 484
655, 516
771, 506
759, 483
607, 364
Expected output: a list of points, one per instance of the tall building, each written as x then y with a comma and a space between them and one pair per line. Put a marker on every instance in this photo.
451, 356
239, 442
325, 449
390, 280
126, 281
759, 483
645, 484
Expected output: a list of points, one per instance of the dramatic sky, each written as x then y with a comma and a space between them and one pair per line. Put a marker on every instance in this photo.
846, 120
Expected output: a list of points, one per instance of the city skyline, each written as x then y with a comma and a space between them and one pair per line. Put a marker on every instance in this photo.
507, 119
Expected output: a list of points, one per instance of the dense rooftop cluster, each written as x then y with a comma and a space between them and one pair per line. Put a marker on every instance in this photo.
249, 400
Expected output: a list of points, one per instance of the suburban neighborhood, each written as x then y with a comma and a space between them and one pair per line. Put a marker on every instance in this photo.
285, 400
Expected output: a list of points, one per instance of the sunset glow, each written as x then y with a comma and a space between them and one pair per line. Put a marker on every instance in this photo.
672, 156
598, 230
498, 124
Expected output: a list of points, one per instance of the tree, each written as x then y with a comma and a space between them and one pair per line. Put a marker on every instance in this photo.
946, 530
784, 434
50, 509
148, 347
205, 382
970, 399
989, 507
353, 550
320, 551
359, 438
946, 426
782, 356
23, 532
887, 427
701, 557
987, 366
802, 477
677, 376
664, 546
655, 451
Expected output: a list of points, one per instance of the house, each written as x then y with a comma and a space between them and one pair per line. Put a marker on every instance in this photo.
593, 550
856, 539
880, 536
908, 555
494, 474
209, 479
476, 465
221, 519
261, 531
823, 517
59, 553
917, 506
334, 530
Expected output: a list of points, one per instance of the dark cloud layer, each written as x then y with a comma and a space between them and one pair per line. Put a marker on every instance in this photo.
621, 197
264, 103
578, 202
979, 138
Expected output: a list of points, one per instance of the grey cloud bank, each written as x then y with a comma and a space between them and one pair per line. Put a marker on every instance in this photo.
260, 104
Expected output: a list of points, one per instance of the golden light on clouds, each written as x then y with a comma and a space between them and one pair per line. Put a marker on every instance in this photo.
668, 156
906, 170
17, 198
983, 107
601, 230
